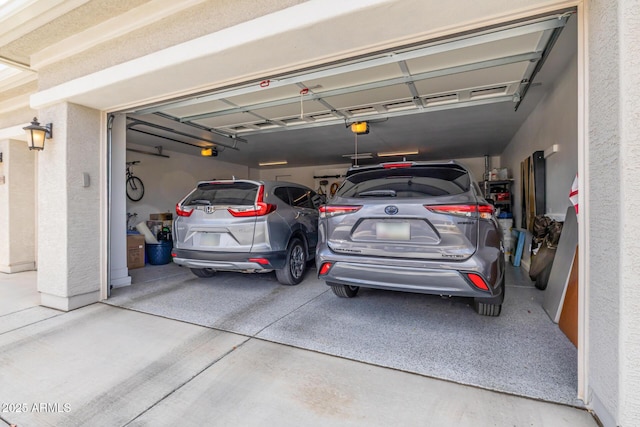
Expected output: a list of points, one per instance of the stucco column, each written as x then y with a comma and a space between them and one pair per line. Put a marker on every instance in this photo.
69, 209
629, 373
17, 207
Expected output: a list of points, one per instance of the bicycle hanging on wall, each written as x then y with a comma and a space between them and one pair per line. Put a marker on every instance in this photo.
135, 187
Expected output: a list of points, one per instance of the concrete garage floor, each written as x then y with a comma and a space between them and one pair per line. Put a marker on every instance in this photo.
107, 366
521, 352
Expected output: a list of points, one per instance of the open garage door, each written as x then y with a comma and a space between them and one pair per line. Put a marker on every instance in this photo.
476, 83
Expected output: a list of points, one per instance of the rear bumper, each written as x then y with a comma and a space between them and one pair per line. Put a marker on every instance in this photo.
428, 277
229, 261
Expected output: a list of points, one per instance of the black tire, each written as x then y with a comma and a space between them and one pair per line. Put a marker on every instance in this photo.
295, 264
485, 309
490, 306
135, 188
543, 278
203, 272
344, 291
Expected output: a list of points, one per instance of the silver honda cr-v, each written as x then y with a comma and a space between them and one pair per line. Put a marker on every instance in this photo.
248, 226
412, 226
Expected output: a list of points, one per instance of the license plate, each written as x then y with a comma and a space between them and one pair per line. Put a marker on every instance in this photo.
209, 239
393, 231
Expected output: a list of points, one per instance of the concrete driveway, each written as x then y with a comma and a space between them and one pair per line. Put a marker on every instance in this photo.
108, 366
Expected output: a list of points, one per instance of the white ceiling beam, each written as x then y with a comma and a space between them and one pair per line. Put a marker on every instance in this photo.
113, 28
33, 15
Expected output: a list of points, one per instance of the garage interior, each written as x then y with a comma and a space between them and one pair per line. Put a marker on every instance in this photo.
462, 98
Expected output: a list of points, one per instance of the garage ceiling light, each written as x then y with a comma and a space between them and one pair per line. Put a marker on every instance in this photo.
358, 156
360, 128
209, 152
276, 163
398, 153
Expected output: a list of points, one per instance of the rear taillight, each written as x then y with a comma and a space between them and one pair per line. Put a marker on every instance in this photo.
327, 211
478, 281
182, 211
261, 208
325, 268
482, 211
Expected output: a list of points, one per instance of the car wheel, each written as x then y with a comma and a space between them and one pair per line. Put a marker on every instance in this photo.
295, 264
203, 272
344, 291
485, 309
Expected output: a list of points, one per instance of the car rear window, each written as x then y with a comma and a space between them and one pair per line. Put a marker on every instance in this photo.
417, 181
235, 193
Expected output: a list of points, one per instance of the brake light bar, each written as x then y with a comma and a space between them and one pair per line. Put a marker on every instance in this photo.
260, 209
482, 211
182, 211
328, 211
397, 165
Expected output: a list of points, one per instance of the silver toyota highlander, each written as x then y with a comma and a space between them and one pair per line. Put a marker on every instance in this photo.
248, 226
416, 227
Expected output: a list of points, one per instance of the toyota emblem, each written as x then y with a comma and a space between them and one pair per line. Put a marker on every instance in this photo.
391, 210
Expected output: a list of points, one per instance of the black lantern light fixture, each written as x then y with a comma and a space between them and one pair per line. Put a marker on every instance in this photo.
36, 134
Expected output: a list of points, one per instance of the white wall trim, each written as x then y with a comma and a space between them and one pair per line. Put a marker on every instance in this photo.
11, 78
33, 15
14, 132
15, 103
583, 211
132, 20
296, 17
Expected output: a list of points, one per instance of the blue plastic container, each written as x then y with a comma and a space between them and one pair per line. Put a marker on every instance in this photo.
159, 253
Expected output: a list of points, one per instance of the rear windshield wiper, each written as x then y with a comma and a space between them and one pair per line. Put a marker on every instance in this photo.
377, 193
200, 202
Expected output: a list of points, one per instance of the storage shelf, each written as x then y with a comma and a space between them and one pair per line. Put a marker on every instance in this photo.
492, 188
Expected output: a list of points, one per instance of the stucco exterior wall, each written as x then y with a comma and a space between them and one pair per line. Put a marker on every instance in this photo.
629, 372
69, 248
17, 207
605, 207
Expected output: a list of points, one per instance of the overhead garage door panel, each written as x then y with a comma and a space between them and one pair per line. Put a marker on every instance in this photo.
369, 97
348, 79
496, 76
466, 71
198, 108
497, 49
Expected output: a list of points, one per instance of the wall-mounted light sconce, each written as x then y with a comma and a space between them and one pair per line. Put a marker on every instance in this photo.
36, 134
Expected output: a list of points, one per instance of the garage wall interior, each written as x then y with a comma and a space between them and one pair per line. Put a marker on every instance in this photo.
113, 61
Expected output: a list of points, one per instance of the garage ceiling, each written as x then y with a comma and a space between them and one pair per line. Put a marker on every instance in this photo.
460, 97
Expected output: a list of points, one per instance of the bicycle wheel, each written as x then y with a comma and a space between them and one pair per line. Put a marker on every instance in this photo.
135, 188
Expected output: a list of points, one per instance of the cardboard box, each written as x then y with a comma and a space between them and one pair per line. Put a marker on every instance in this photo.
165, 216
135, 251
